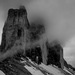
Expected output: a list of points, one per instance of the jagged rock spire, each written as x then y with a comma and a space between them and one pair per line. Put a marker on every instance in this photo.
15, 26
55, 54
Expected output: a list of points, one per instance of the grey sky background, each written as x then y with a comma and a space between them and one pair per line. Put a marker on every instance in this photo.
58, 17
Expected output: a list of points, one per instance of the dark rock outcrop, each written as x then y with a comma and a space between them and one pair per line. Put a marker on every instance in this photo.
14, 27
35, 55
55, 54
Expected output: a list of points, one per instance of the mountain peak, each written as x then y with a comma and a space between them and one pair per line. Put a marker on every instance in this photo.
17, 12
22, 41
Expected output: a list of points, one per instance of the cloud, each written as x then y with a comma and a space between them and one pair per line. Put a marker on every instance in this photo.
69, 52
58, 15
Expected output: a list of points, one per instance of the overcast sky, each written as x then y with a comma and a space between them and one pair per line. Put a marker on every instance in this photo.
58, 16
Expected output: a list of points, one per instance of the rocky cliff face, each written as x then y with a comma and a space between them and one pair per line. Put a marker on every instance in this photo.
55, 54
19, 36
14, 27
20, 39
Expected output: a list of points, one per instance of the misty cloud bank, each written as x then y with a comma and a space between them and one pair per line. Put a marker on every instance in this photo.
58, 16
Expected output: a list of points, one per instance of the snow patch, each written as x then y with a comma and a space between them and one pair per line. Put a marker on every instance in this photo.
33, 70
67, 70
1, 73
51, 69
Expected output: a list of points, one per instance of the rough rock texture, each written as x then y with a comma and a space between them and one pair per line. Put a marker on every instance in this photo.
35, 54
55, 54
14, 28
12, 67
